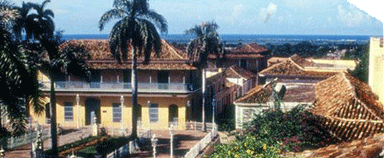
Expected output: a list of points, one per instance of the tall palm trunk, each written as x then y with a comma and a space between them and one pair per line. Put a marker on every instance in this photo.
53, 121
134, 94
203, 93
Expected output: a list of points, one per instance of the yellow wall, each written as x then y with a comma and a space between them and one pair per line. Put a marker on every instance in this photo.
163, 112
106, 111
376, 67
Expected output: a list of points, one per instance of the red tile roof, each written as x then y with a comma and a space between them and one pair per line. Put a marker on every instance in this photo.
258, 94
371, 146
236, 72
170, 58
338, 91
249, 48
290, 68
301, 61
348, 108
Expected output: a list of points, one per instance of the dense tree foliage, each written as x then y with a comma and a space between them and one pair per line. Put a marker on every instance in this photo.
362, 70
307, 49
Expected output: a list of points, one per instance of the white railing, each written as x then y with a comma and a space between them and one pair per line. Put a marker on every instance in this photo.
129, 148
193, 125
195, 150
108, 86
27, 138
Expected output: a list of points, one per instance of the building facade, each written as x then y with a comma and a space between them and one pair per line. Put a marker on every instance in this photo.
167, 90
376, 66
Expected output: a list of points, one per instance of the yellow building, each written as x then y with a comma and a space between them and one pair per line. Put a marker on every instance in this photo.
167, 90
376, 66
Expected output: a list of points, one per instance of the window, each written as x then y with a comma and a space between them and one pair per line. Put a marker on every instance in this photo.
153, 110
117, 112
68, 111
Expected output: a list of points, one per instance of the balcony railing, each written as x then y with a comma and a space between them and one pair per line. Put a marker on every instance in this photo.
117, 87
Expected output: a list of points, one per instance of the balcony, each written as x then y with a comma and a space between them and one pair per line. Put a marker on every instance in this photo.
80, 86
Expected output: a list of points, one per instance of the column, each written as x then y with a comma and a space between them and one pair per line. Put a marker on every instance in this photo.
77, 110
122, 114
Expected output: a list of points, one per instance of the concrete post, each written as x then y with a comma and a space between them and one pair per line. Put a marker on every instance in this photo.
171, 140
154, 145
122, 115
95, 127
78, 110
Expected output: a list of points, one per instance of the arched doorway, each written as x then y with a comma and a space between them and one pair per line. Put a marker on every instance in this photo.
173, 115
93, 108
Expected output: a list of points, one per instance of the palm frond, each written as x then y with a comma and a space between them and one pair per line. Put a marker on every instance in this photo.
196, 30
158, 20
35, 6
110, 15
141, 6
115, 40
48, 13
151, 39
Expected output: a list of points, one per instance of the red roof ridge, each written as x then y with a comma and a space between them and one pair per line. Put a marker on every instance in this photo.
279, 64
173, 50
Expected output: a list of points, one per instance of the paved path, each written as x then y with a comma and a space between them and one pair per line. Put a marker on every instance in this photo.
24, 151
184, 140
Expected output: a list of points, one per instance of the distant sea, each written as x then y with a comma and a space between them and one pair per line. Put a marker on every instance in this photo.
257, 38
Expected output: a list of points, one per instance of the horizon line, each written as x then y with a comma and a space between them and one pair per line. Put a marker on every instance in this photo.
375, 35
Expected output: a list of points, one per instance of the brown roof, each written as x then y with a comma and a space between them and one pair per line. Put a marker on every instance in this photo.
299, 93
291, 68
258, 94
301, 61
294, 93
237, 56
367, 147
249, 48
236, 72
170, 58
340, 91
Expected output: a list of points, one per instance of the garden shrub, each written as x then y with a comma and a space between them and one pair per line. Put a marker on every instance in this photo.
247, 146
110, 144
274, 132
297, 128
72, 145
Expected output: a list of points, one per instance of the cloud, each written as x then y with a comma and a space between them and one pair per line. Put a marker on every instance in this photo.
268, 12
351, 16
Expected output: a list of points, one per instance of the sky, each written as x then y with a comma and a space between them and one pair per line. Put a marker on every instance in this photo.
327, 17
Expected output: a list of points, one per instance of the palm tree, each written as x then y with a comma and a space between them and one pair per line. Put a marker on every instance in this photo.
39, 26
17, 74
206, 42
21, 22
137, 26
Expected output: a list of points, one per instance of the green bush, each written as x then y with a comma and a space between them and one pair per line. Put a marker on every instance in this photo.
274, 132
298, 128
73, 144
247, 146
108, 145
